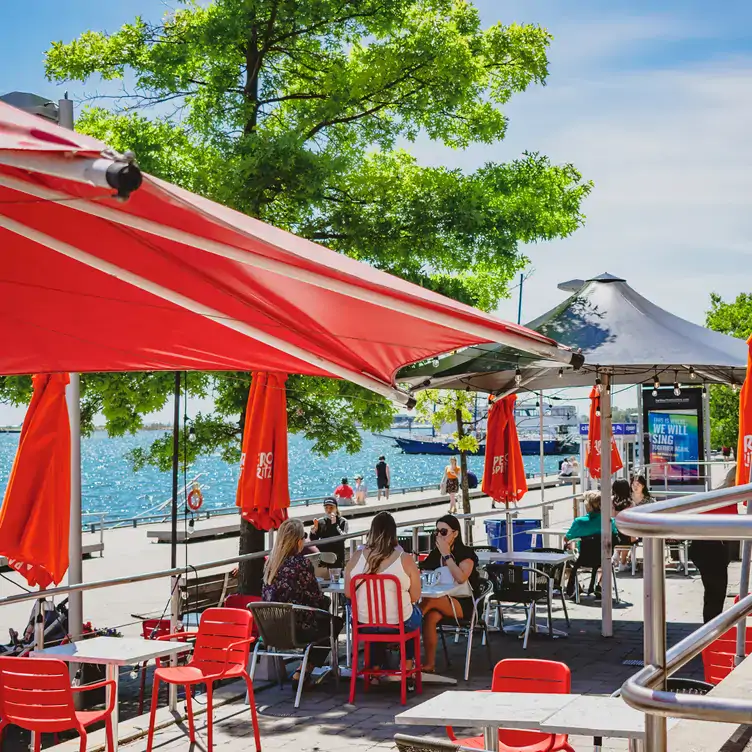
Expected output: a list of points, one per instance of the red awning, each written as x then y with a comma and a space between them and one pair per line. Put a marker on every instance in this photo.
168, 280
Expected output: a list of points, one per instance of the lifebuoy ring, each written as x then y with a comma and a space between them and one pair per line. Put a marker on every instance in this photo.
195, 498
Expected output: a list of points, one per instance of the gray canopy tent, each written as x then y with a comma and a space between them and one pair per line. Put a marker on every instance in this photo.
625, 338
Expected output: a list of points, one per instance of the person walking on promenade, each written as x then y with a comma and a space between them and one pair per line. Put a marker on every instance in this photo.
383, 478
711, 557
361, 491
450, 484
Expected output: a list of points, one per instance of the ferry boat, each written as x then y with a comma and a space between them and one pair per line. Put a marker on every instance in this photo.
559, 433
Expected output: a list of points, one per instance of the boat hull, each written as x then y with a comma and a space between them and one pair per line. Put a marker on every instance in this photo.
418, 446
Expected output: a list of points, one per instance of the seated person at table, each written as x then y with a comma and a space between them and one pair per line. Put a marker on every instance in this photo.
331, 525
458, 564
584, 527
382, 554
289, 578
344, 494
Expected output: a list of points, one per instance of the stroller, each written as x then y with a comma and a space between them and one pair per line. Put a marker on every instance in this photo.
55, 630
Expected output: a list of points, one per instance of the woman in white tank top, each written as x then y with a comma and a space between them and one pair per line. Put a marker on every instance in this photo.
382, 554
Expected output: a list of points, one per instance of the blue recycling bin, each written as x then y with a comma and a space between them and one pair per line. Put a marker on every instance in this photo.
496, 533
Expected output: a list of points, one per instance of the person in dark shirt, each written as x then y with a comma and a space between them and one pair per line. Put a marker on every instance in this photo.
383, 478
289, 578
330, 526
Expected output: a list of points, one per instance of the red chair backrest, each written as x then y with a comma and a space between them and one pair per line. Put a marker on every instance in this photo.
718, 658
529, 675
242, 601
218, 629
371, 590
35, 694
151, 629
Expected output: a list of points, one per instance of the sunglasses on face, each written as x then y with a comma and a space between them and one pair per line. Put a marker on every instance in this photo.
443, 531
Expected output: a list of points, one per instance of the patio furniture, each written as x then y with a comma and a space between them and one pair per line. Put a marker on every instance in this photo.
221, 651
491, 710
556, 573
523, 675
205, 591
469, 626
528, 586
277, 626
406, 743
376, 629
113, 652
151, 629
590, 558
718, 658
36, 694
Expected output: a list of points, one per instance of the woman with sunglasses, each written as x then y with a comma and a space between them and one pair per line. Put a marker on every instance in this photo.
456, 563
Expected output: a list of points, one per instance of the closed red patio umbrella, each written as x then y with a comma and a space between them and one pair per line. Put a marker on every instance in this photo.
504, 477
34, 519
593, 448
744, 447
263, 492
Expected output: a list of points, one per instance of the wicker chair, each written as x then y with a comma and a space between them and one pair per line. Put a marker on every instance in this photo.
424, 744
277, 627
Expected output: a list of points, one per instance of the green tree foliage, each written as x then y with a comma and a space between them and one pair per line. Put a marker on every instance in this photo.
301, 114
734, 318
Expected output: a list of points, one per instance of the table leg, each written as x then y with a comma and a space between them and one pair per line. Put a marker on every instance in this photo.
334, 640
113, 674
491, 738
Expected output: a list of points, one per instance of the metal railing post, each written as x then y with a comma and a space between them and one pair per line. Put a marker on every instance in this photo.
655, 634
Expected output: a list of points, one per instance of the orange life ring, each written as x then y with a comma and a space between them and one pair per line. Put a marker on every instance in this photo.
195, 498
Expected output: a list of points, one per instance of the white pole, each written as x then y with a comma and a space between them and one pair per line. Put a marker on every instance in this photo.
607, 627
640, 433
706, 440
542, 449
448, 318
73, 398
356, 377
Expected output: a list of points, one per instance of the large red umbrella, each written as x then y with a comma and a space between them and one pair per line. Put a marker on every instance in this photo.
168, 280
593, 448
34, 519
504, 477
263, 492
744, 447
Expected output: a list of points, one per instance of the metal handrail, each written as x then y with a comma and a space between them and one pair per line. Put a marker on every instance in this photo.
646, 690
179, 571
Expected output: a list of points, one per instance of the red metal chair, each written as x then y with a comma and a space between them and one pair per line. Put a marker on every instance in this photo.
151, 629
526, 675
718, 658
371, 590
35, 694
221, 651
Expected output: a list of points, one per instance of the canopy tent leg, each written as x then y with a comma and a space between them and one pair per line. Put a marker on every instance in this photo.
607, 627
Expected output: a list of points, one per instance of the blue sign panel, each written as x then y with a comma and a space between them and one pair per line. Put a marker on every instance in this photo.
631, 429
618, 429
584, 429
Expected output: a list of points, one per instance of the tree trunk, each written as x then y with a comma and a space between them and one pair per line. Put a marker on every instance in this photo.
463, 480
251, 572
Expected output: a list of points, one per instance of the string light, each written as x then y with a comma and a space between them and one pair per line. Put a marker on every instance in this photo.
656, 383
735, 387
692, 374
192, 434
561, 373
598, 409
517, 376
435, 362
598, 385
704, 389
677, 390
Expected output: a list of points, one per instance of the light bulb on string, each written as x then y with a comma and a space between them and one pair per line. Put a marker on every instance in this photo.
192, 434
654, 392
735, 387
517, 376
692, 374
598, 385
435, 362
704, 389
677, 390
656, 384
561, 373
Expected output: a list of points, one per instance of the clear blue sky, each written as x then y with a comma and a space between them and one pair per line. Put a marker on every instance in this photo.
651, 100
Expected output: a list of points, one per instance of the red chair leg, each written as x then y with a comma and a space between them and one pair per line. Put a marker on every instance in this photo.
38, 742
403, 674
142, 691
254, 715
109, 733
189, 709
210, 717
82, 747
153, 714
354, 671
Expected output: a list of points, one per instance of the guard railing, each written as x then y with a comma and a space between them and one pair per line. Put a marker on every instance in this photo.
678, 518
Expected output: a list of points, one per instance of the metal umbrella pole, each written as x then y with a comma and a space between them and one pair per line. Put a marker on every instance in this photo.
542, 451
175, 580
607, 627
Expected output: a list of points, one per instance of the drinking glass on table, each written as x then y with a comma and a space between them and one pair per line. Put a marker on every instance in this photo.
335, 574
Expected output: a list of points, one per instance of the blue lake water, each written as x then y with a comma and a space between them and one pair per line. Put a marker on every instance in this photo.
110, 485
